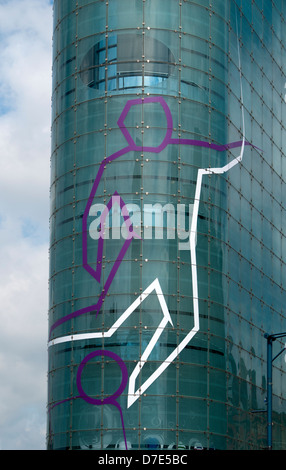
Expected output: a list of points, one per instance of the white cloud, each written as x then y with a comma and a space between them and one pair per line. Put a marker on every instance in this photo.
25, 115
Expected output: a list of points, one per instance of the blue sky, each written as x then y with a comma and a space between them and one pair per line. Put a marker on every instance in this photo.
25, 122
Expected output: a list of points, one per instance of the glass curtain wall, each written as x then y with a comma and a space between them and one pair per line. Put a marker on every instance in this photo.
167, 250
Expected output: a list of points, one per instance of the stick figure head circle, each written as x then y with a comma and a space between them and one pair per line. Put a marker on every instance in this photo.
140, 101
112, 398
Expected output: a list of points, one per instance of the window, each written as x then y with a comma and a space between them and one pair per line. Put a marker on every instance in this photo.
117, 63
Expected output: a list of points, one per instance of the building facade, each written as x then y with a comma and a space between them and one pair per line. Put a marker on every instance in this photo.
168, 249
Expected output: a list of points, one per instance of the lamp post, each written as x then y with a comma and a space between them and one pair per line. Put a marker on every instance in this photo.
270, 340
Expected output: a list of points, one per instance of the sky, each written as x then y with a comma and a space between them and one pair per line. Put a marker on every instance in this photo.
25, 142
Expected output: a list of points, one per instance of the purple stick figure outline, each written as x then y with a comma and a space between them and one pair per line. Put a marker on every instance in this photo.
96, 274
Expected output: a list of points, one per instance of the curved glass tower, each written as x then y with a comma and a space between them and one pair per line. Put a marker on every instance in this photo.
167, 251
